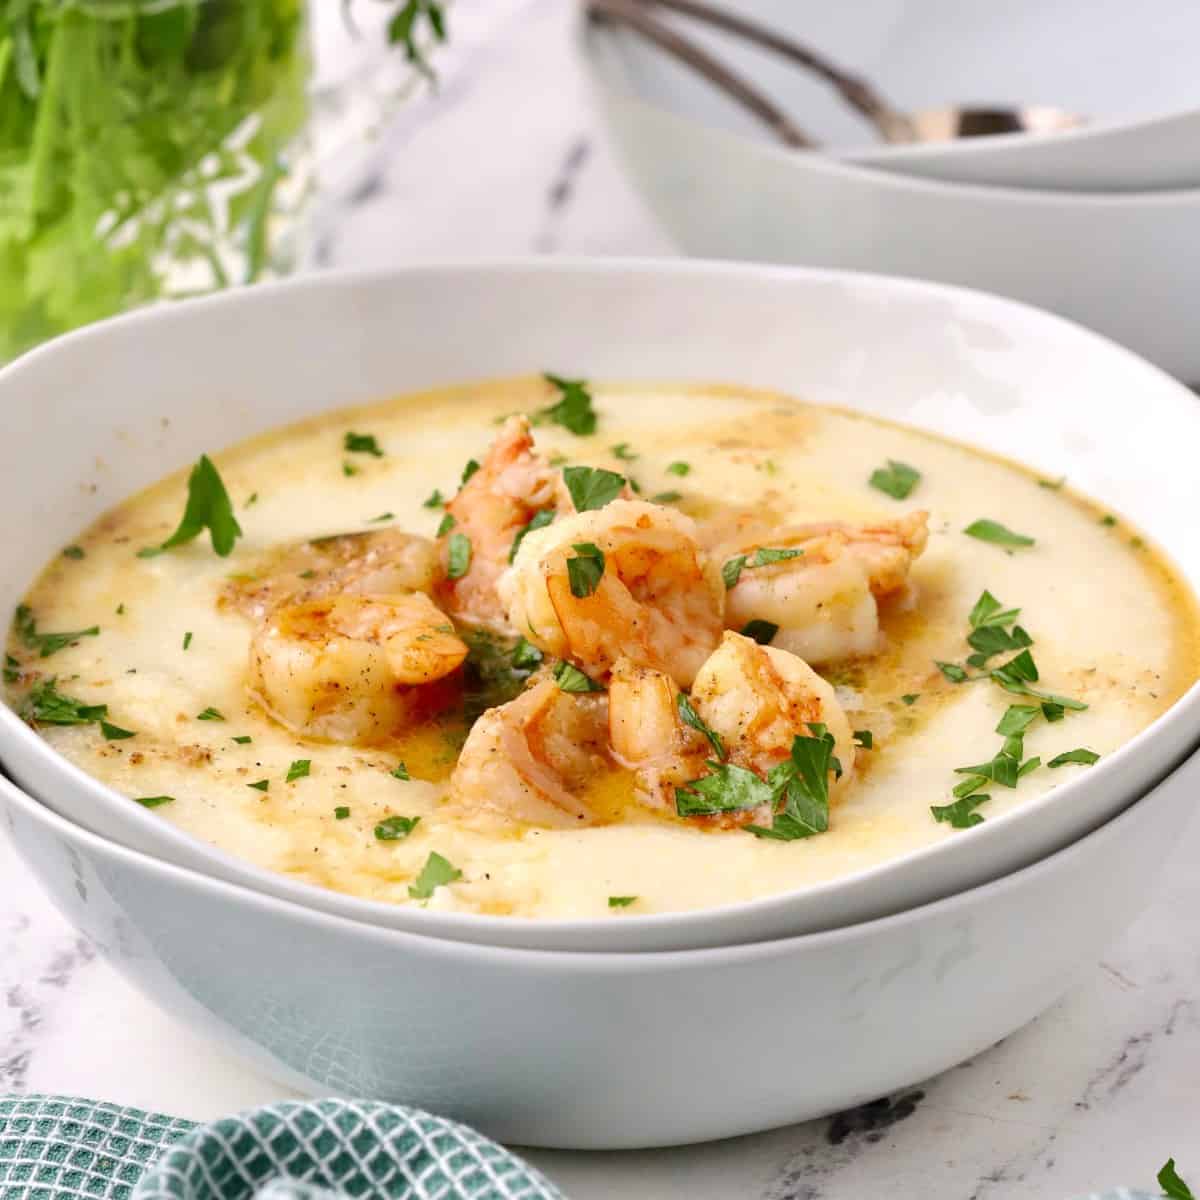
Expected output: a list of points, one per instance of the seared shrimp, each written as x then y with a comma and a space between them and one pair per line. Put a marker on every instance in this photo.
380, 562
513, 484
658, 600
824, 600
531, 760
354, 669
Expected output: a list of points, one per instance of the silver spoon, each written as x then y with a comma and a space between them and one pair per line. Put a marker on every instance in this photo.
932, 125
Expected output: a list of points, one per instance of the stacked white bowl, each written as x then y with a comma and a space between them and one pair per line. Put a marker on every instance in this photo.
1099, 223
629, 1030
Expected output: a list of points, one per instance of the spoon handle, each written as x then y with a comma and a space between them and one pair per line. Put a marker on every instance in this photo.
894, 125
633, 14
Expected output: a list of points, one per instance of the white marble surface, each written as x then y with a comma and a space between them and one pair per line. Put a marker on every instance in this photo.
509, 159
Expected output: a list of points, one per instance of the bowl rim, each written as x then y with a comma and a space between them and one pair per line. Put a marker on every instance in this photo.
479, 928
848, 163
598, 961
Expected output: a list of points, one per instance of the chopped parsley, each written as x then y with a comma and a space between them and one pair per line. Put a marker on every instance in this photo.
395, 829
1108, 520
252, 499
458, 555
46, 644
298, 770
120, 610
114, 733
897, 479
1086, 757
620, 901
573, 410
679, 468
961, 814
952, 671
243, 739
387, 516
802, 784
400, 772
469, 470
571, 679
729, 788
864, 738
910, 698
987, 530
349, 470
435, 499
12, 669
585, 569
47, 705
436, 873
539, 520
262, 785
1173, 1187
154, 801
592, 487
1017, 718
667, 497
446, 524
75, 552
764, 556
361, 443
622, 451
209, 714
1052, 484
525, 656
187, 639
341, 812
689, 716
208, 507
762, 632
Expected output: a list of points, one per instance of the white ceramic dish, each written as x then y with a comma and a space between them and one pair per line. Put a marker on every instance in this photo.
980, 369
603, 1051
1132, 80
1124, 264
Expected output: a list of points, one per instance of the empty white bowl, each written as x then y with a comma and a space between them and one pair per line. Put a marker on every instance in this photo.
1132, 80
603, 1051
97, 415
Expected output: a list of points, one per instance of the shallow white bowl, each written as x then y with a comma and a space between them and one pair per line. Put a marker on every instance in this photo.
1125, 264
603, 1051
1132, 80
970, 366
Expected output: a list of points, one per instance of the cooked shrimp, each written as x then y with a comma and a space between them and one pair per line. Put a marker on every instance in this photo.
512, 485
825, 600
532, 759
379, 562
658, 601
354, 669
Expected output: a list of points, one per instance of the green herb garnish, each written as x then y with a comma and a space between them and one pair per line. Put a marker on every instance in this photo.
762, 632
620, 901
436, 873
435, 499
458, 555
961, 814
1086, 757
208, 507
585, 569
952, 671
574, 409
298, 770
400, 771
667, 497
362, 443
262, 785
379, 520
691, 717
243, 739
154, 801
75, 552
47, 705
395, 829
992, 531
539, 520
1108, 520
114, 733
802, 784
571, 679
341, 812
187, 639
446, 524
209, 714
1052, 484
525, 656
1173, 1187
46, 644
622, 451
679, 468
592, 487
865, 738
404, 27
349, 470
469, 470
729, 788
897, 479
910, 698
764, 556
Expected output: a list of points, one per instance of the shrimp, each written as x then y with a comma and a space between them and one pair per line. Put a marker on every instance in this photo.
658, 600
512, 485
354, 669
825, 601
755, 699
531, 760
379, 562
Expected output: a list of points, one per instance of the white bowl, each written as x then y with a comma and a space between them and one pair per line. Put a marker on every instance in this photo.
1125, 264
603, 1051
1132, 81
984, 370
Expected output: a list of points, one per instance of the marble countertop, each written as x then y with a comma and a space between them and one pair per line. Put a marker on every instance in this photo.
509, 158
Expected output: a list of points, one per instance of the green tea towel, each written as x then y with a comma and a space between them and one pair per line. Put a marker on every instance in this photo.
61, 1148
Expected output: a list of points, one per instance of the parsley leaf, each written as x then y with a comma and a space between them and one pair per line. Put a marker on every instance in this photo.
401, 772
262, 785
458, 555
435, 499
620, 901
1017, 718
989, 611
1172, 1186
910, 698
379, 520
1086, 757
469, 470
436, 873
897, 479
622, 451
727, 789
803, 783
762, 632
114, 733
865, 738
209, 714
362, 443
446, 524
539, 520
585, 569
666, 497
187, 640
395, 829
75, 552
679, 468
154, 801
46, 644
46, 704
349, 470
592, 487
244, 739
764, 556
208, 507
341, 812
952, 671
298, 770
574, 409
525, 656
689, 716
987, 530
731, 572
961, 814
571, 679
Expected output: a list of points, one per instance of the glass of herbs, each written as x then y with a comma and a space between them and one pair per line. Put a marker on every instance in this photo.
152, 149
